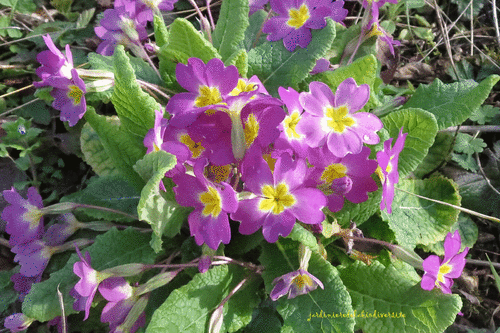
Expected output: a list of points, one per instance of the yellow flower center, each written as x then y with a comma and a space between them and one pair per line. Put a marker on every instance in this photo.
208, 96
289, 123
75, 94
155, 147
375, 31
333, 171
270, 161
298, 17
276, 199
195, 147
32, 215
338, 118
219, 172
301, 280
243, 86
379, 173
212, 201
251, 129
443, 270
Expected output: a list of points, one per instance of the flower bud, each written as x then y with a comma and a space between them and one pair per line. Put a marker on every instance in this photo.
216, 320
126, 270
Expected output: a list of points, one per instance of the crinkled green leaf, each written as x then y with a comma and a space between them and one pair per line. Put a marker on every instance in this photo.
382, 292
161, 32
419, 221
485, 114
468, 234
468, 162
358, 213
239, 59
184, 42
438, 153
256, 20
363, 71
123, 148
421, 127
135, 108
304, 236
265, 319
94, 152
477, 194
188, 308
110, 192
9, 295
452, 103
109, 250
20, 6
165, 217
276, 66
231, 25
298, 312
468, 144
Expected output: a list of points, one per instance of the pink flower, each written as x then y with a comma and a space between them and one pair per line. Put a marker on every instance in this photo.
333, 119
388, 162
24, 216
208, 222
296, 18
296, 283
441, 273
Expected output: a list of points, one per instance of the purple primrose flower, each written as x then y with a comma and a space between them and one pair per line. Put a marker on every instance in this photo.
69, 97
441, 273
207, 85
24, 217
332, 119
295, 283
33, 257
388, 161
281, 197
296, 18
17, 322
53, 62
208, 222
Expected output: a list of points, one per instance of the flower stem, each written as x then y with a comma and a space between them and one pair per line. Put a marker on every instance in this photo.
106, 210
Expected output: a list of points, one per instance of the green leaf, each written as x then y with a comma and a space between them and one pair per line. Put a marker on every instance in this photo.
485, 114
231, 26
165, 217
94, 152
161, 32
9, 295
184, 42
468, 144
21, 6
135, 108
358, 213
188, 308
298, 312
63, 6
110, 192
239, 59
452, 103
468, 234
109, 250
264, 319
421, 127
256, 21
418, 221
304, 236
467, 162
382, 292
123, 148
276, 66
363, 71
438, 153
